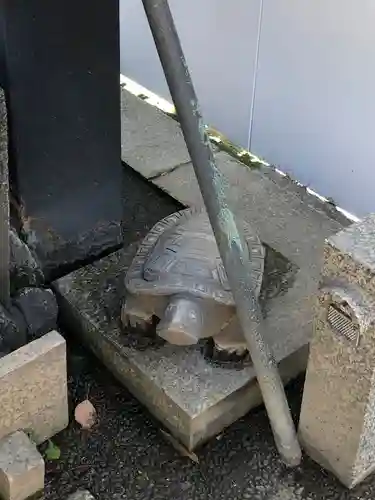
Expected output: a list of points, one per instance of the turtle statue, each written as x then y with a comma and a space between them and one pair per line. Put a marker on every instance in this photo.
177, 277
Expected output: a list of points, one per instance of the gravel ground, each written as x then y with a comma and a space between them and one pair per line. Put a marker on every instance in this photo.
125, 456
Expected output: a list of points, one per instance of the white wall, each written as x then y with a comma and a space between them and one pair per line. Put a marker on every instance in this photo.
314, 106
219, 40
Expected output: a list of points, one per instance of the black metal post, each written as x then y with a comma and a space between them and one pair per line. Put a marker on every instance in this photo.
60, 66
228, 236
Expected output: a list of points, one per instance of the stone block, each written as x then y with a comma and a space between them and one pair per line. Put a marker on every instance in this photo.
81, 495
194, 398
337, 424
21, 467
33, 388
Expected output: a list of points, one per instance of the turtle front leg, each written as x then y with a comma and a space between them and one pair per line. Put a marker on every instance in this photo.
136, 313
229, 345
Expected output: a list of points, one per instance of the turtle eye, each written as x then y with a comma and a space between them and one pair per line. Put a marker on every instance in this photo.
193, 315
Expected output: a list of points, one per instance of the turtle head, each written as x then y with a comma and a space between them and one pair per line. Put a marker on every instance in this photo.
182, 323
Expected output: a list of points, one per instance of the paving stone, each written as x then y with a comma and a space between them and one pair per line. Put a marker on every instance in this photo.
81, 495
21, 467
33, 388
151, 142
337, 424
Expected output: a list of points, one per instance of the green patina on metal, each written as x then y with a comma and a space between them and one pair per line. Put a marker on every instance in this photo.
229, 228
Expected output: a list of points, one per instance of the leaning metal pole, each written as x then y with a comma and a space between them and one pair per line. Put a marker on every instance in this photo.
228, 236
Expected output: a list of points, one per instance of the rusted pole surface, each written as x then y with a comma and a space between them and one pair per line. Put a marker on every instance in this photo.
228, 236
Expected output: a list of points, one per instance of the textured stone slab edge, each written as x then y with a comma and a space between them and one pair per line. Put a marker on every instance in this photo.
127, 373
217, 418
21, 467
319, 458
30, 352
192, 432
41, 419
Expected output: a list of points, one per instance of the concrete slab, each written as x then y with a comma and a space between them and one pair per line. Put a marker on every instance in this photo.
151, 142
33, 389
192, 397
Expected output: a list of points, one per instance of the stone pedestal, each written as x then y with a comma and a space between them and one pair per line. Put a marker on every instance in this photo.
337, 424
194, 398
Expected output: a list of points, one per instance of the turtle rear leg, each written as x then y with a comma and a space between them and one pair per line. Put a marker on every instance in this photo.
136, 313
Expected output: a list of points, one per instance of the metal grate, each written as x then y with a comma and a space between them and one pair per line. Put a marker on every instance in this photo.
343, 324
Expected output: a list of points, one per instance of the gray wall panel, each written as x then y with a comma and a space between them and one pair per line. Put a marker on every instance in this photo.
314, 107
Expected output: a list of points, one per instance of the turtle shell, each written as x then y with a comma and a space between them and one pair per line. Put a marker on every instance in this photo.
180, 255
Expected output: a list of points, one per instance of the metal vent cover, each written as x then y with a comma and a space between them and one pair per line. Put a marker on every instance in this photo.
341, 322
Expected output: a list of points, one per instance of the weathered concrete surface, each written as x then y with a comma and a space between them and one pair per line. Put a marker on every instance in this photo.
21, 467
192, 397
339, 431
151, 142
33, 388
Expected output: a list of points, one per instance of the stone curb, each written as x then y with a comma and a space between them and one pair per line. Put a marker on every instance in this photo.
21, 467
33, 389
